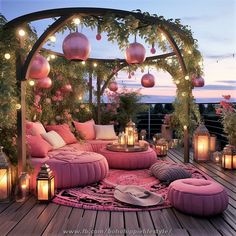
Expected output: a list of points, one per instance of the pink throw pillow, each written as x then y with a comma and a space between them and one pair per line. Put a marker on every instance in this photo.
34, 128
37, 146
86, 129
64, 131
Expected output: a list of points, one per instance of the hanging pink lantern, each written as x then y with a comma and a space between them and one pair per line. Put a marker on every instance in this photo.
39, 67
135, 53
153, 50
44, 83
113, 86
98, 37
66, 88
198, 81
132, 73
76, 46
148, 80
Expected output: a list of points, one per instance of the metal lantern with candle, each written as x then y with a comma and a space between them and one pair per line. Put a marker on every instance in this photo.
129, 131
45, 184
122, 139
201, 141
161, 147
24, 180
216, 157
229, 157
5, 177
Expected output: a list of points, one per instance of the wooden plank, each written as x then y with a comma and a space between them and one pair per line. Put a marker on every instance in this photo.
13, 214
117, 222
87, 222
102, 223
4, 206
56, 224
146, 223
131, 223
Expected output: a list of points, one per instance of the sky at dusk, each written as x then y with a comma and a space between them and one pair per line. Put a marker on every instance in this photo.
213, 23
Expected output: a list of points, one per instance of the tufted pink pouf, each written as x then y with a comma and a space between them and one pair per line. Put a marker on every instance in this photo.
72, 168
198, 196
129, 160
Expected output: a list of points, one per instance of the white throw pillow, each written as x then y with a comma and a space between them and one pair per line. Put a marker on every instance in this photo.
105, 132
54, 139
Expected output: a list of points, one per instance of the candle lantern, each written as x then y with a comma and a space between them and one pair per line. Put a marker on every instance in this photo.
161, 148
135, 135
5, 177
24, 180
212, 143
201, 141
45, 184
122, 139
229, 157
143, 134
216, 157
129, 131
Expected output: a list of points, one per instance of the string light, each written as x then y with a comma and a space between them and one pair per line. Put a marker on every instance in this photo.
95, 64
177, 81
169, 60
7, 56
18, 106
53, 56
163, 37
189, 52
80, 98
186, 77
183, 94
48, 58
53, 38
185, 127
200, 63
83, 62
21, 32
76, 21
146, 67
31, 83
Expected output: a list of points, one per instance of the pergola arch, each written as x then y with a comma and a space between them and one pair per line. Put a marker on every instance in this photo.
65, 15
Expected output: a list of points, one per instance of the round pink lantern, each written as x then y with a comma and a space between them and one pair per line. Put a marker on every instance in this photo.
44, 83
148, 80
198, 81
39, 67
113, 86
135, 53
76, 46
66, 88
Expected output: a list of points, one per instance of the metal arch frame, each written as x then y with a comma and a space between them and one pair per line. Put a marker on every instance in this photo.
65, 15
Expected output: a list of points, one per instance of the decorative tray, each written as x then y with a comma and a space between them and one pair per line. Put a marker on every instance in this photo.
125, 148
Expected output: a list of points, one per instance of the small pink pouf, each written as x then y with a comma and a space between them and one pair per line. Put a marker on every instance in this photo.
198, 197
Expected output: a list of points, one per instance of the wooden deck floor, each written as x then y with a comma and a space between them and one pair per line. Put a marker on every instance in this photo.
31, 218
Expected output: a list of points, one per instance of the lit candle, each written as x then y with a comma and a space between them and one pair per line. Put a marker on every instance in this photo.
123, 139
227, 161
3, 184
142, 137
45, 191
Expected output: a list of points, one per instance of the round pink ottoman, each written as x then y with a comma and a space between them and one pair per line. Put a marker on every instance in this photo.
129, 160
73, 168
198, 196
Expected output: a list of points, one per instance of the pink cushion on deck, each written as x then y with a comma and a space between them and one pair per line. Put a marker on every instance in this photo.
86, 129
72, 168
64, 131
198, 196
37, 146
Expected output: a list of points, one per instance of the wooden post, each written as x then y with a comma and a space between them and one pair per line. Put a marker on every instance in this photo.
21, 92
98, 100
90, 88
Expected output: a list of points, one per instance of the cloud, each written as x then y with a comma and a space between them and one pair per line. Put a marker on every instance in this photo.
216, 87
227, 81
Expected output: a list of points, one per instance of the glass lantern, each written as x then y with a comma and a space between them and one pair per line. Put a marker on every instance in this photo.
229, 157
216, 157
122, 139
25, 183
45, 184
201, 143
5, 177
129, 131
161, 148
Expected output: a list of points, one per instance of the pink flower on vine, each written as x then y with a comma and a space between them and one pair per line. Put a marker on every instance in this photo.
227, 97
219, 111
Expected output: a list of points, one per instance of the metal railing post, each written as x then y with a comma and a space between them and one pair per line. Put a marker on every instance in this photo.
149, 122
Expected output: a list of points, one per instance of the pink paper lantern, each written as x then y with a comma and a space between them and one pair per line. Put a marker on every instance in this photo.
67, 88
98, 37
76, 46
113, 86
148, 80
135, 53
39, 67
153, 50
198, 81
44, 83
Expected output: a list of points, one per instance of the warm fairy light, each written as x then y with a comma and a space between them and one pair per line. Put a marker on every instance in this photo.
7, 56
163, 37
53, 56
183, 94
21, 32
83, 62
31, 83
80, 98
18, 106
95, 64
53, 38
177, 81
76, 21
169, 60
189, 52
185, 127
48, 58
146, 67
200, 63
186, 77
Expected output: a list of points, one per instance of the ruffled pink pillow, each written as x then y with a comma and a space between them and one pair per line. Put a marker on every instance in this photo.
86, 129
64, 131
37, 146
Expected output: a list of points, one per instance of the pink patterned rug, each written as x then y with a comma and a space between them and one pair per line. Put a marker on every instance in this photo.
99, 196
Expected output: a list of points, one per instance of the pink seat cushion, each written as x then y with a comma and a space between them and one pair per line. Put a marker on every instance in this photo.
97, 144
198, 196
86, 129
64, 131
72, 168
37, 146
129, 160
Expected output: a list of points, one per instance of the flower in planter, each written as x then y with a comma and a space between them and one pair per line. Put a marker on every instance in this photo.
227, 112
